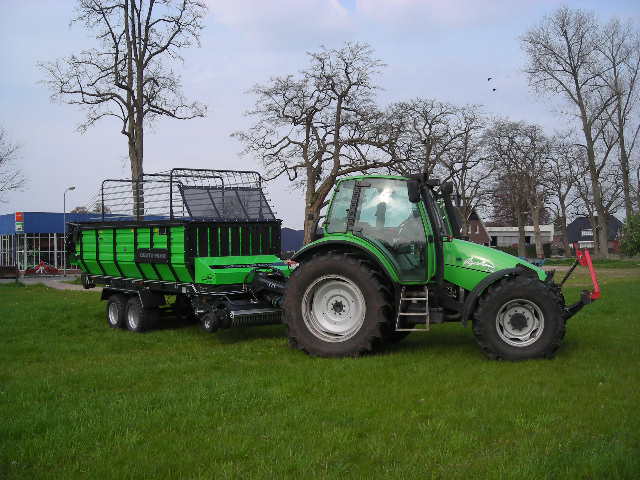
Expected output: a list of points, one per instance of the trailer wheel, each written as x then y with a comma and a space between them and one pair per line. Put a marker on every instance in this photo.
140, 319
334, 306
519, 318
116, 310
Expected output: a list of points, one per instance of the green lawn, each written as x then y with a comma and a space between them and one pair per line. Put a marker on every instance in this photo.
79, 400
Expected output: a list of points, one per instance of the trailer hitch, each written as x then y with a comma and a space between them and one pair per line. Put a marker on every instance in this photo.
583, 258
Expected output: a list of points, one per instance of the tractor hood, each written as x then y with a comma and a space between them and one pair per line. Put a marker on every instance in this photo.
467, 263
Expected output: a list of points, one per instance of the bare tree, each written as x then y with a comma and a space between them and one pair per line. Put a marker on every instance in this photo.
321, 125
466, 165
561, 178
612, 198
519, 153
80, 209
11, 177
563, 58
128, 76
620, 49
430, 130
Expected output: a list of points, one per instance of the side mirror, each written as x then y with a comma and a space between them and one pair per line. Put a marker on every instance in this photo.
413, 189
446, 188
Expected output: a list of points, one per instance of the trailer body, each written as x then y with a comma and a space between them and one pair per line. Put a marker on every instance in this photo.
185, 251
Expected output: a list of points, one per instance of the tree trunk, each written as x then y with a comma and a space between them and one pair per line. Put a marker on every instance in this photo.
522, 252
563, 226
535, 213
311, 206
310, 225
624, 156
602, 250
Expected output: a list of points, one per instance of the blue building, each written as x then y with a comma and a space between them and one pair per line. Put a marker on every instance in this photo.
28, 238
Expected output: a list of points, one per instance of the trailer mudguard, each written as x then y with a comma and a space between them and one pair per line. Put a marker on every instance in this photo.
148, 298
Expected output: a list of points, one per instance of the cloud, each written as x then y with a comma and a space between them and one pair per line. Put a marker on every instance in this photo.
443, 13
281, 20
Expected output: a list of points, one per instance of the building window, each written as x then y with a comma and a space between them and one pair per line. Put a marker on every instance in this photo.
587, 232
29, 249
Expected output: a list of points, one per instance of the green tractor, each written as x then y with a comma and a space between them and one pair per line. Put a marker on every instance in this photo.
387, 261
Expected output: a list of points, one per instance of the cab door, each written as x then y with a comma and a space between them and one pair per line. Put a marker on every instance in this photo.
399, 228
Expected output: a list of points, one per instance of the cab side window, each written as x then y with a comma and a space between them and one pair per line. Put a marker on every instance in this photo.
337, 219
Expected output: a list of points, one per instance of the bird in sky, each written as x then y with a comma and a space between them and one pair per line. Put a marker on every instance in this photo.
493, 89
489, 79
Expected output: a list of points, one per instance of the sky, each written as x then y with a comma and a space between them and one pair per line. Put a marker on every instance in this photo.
437, 49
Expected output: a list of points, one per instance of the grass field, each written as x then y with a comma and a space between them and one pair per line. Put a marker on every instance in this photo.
79, 400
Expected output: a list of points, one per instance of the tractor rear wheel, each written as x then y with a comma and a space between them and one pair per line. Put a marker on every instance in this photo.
116, 310
335, 306
140, 319
519, 318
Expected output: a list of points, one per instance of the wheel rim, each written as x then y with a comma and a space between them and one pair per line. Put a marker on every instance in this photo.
113, 313
132, 319
520, 322
333, 308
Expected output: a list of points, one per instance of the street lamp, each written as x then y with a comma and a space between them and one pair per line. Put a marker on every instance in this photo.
64, 229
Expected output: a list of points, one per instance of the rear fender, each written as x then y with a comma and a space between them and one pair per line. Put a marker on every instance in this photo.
349, 246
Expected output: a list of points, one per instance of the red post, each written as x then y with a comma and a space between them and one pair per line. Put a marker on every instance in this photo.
584, 258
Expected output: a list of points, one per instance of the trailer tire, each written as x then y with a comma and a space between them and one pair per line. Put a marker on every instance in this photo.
116, 310
140, 319
335, 306
519, 318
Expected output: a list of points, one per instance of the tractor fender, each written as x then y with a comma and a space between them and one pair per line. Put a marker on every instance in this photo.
311, 249
472, 299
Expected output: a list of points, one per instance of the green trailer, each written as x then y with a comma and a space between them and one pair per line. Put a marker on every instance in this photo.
389, 260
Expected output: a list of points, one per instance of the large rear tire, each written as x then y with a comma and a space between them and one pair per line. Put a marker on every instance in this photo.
335, 306
519, 318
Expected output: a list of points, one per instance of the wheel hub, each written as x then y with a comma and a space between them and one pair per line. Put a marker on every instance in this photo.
132, 319
113, 314
333, 308
338, 307
520, 322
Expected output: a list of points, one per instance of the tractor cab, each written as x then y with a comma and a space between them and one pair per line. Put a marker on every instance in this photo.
388, 213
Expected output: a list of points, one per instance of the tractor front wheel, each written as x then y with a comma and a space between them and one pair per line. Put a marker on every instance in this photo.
335, 306
519, 318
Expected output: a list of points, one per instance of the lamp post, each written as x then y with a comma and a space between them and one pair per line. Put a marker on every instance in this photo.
64, 229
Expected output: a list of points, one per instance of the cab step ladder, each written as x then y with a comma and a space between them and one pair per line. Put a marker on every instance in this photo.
408, 299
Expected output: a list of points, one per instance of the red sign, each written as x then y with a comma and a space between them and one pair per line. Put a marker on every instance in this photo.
19, 216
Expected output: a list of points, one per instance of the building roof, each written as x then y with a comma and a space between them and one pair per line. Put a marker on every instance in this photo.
43, 222
581, 224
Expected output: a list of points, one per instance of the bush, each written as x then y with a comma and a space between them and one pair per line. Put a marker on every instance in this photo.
630, 243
